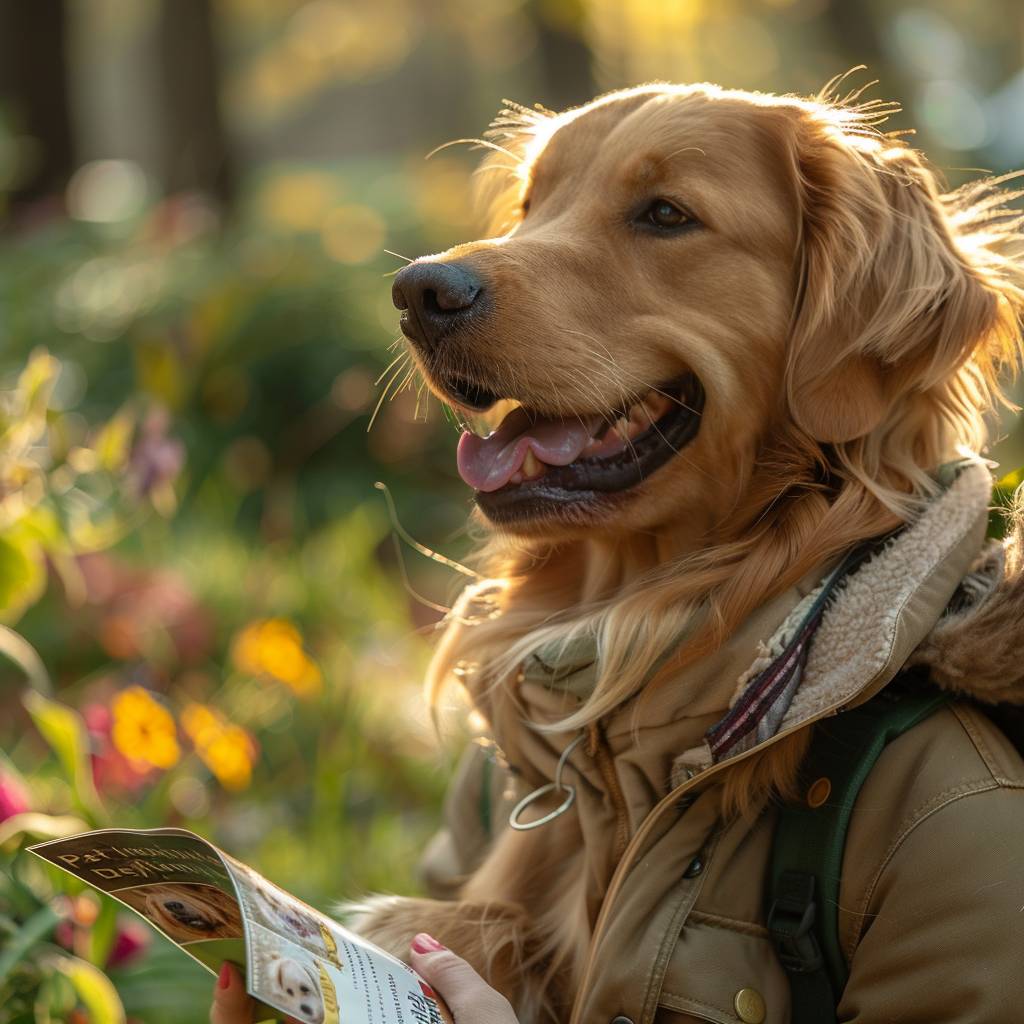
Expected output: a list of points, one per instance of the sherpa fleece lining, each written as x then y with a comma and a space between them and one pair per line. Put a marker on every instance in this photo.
892, 602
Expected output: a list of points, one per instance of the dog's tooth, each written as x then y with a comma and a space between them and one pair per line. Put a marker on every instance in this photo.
532, 466
653, 407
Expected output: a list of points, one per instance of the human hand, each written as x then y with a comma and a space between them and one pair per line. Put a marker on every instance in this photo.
470, 999
231, 1003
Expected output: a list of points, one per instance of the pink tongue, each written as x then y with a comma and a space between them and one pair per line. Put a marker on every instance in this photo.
487, 463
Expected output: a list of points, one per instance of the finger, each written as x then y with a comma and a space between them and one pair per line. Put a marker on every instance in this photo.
231, 1003
469, 997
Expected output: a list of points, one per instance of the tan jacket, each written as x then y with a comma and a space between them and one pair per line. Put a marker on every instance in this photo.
931, 913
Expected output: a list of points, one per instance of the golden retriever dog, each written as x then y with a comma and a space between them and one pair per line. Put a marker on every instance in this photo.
723, 337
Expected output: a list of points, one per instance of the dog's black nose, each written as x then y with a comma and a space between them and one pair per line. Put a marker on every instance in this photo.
435, 297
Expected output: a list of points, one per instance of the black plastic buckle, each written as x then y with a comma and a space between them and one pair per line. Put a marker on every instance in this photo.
791, 924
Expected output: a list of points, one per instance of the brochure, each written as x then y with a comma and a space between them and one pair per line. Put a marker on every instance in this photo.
296, 961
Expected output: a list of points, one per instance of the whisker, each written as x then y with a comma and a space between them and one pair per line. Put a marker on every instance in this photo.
481, 143
621, 369
413, 543
384, 372
407, 583
387, 387
421, 387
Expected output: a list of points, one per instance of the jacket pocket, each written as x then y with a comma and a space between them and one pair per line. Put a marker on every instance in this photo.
664, 1016
726, 972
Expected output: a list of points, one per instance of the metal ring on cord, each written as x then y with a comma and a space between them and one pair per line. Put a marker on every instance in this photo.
542, 791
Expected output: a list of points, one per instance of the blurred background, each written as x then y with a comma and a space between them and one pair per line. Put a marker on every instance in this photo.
204, 619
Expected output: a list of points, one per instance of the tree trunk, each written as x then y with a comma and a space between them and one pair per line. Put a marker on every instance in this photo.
33, 86
196, 155
567, 77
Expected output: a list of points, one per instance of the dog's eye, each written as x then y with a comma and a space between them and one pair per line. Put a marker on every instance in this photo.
663, 214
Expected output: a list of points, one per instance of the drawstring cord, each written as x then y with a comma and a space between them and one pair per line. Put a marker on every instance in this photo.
514, 819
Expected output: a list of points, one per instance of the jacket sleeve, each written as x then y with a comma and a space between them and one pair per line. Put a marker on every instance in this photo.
943, 933
472, 816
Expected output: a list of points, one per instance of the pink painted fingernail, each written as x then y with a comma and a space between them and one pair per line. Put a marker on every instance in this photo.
424, 943
224, 978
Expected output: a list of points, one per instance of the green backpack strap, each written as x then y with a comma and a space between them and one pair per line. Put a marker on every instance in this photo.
807, 850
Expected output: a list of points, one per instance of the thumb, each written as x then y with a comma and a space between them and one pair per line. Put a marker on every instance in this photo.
231, 1003
469, 997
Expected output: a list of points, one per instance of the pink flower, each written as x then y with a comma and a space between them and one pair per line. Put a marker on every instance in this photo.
130, 943
157, 459
14, 797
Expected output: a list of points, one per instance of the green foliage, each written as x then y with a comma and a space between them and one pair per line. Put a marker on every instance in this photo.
65, 732
206, 625
1005, 500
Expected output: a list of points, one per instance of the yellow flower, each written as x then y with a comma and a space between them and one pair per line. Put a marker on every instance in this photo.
226, 749
143, 729
273, 647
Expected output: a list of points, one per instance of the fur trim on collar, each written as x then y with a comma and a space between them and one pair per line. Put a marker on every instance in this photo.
888, 607
975, 649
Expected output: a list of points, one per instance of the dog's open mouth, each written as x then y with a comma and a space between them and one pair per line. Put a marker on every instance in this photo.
531, 461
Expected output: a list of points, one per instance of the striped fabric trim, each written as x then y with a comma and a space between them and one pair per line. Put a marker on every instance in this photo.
769, 688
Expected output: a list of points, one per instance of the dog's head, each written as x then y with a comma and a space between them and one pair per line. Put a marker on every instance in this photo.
688, 281
296, 986
198, 911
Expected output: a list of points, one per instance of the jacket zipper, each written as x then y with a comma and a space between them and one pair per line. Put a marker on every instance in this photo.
597, 748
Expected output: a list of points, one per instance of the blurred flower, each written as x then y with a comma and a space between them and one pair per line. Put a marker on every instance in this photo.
226, 749
156, 460
74, 930
274, 647
146, 614
111, 770
64, 933
14, 797
130, 942
143, 729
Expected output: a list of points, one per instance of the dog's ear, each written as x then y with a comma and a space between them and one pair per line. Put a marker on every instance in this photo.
888, 303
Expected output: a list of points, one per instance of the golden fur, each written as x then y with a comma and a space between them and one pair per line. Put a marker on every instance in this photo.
849, 321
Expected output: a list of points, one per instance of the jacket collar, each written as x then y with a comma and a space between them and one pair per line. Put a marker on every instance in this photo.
852, 634
868, 617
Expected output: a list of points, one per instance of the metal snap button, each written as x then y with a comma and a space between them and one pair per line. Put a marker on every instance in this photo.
694, 868
819, 792
750, 1006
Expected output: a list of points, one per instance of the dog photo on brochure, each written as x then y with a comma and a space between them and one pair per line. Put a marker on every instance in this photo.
511, 513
